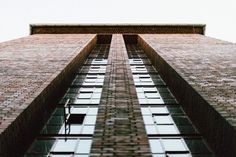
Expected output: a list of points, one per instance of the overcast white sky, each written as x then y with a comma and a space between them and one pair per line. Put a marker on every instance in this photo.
218, 15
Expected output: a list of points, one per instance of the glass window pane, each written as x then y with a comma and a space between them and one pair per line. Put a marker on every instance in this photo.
92, 111
65, 145
88, 129
82, 101
141, 95
98, 90
142, 101
41, 146
48, 129
175, 110
148, 120
150, 89
87, 80
139, 89
163, 120
56, 120
96, 96
146, 83
89, 83
59, 112
156, 146
84, 146
145, 111
188, 129
174, 145
167, 129
84, 95
95, 101
181, 120
78, 110
152, 95
71, 129
151, 129
159, 110
91, 120
99, 61
76, 119
155, 101
197, 146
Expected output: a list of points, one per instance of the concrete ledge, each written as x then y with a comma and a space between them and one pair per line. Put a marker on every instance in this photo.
220, 135
15, 140
117, 28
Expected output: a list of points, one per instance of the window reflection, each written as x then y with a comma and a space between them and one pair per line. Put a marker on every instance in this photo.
168, 146
83, 95
69, 130
64, 146
165, 122
167, 129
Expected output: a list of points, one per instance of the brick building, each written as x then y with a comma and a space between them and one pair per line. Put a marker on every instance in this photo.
117, 90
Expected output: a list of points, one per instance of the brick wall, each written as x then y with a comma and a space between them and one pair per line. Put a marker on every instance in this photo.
119, 128
34, 72
201, 72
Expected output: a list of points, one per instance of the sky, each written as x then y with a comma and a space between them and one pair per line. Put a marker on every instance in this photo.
218, 15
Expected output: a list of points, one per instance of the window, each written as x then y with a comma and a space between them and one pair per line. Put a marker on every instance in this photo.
158, 123
163, 119
99, 61
167, 129
84, 95
86, 126
152, 95
96, 69
135, 61
93, 80
165, 122
154, 110
170, 145
156, 146
75, 118
148, 95
151, 129
62, 145
143, 80
148, 120
70, 128
138, 69
197, 146
84, 146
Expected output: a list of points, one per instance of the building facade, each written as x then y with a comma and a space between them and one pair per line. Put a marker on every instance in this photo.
118, 90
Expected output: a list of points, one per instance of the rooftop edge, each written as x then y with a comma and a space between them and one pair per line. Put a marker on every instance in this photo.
125, 28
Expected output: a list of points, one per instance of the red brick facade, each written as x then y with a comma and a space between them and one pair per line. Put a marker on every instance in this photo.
201, 72
36, 70
33, 71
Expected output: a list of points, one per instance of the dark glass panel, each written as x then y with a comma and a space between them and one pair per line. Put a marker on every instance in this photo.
197, 146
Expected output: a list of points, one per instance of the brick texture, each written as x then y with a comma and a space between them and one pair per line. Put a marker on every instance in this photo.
119, 128
201, 71
32, 68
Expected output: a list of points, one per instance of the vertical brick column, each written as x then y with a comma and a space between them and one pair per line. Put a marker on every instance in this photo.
119, 128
